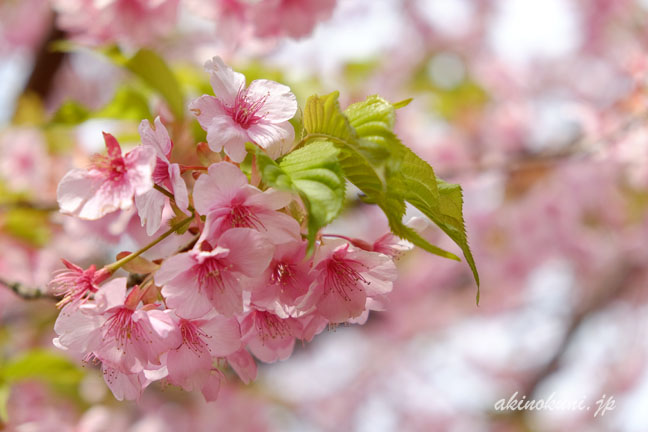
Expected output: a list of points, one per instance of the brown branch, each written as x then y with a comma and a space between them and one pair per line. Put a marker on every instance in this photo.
46, 64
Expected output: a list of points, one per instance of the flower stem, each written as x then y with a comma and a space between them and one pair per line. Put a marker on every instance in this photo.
119, 263
164, 192
193, 168
169, 195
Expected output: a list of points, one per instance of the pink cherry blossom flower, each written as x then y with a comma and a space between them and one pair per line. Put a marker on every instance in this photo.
150, 205
244, 365
391, 245
205, 277
285, 281
258, 113
294, 18
129, 386
269, 337
109, 184
344, 277
24, 160
75, 284
136, 22
115, 332
190, 365
228, 201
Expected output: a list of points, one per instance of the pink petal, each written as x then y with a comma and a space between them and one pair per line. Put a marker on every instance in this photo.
75, 188
249, 251
122, 385
206, 108
225, 82
225, 336
112, 146
244, 365
280, 104
77, 330
187, 367
224, 132
149, 208
337, 309
111, 294
179, 187
220, 185
156, 137
268, 135
212, 386
140, 163
271, 199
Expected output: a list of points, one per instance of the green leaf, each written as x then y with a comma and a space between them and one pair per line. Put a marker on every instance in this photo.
154, 71
30, 225
71, 113
4, 399
405, 172
449, 217
45, 366
387, 172
128, 104
322, 116
315, 174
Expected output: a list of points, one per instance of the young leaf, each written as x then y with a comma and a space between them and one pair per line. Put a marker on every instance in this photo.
315, 174
409, 178
45, 366
154, 71
359, 155
323, 117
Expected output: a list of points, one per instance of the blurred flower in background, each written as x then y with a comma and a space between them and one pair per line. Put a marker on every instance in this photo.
539, 109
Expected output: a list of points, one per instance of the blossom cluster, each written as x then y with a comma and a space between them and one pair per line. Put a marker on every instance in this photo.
247, 285
141, 21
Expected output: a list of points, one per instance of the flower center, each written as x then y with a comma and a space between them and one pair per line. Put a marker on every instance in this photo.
240, 216
282, 274
121, 327
209, 274
114, 168
245, 110
342, 278
192, 337
270, 326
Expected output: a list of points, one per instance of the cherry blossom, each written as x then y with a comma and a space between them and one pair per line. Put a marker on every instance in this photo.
150, 205
228, 201
135, 22
285, 281
115, 331
75, 284
203, 340
295, 18
213, 276
109, 184
345, 277
237, 114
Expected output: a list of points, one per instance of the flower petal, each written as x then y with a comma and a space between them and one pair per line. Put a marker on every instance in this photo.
225, 82
280, 104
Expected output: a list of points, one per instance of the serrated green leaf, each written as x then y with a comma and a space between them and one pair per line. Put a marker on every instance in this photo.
315, 174
373, 121
449, 217
322, 115
154, 71
387, 172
